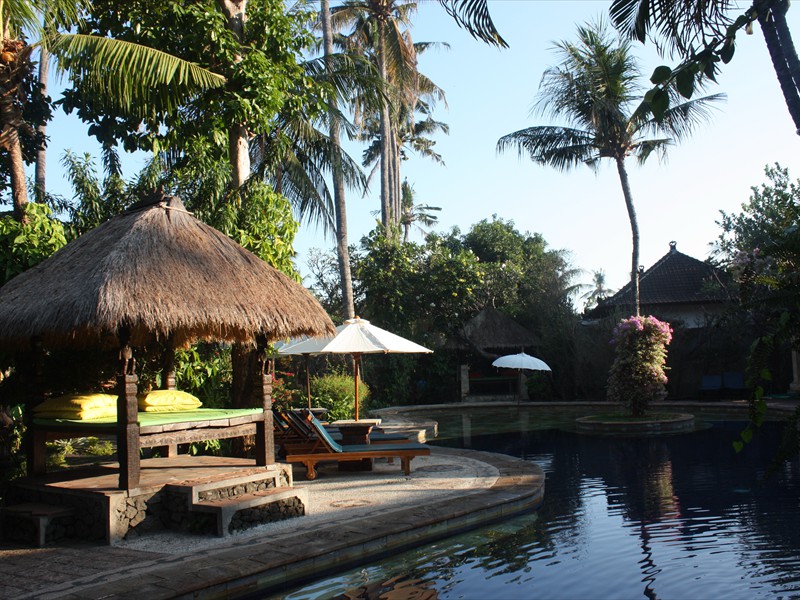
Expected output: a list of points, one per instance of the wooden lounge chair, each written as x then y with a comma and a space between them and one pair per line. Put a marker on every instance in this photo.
328, 449
298, 421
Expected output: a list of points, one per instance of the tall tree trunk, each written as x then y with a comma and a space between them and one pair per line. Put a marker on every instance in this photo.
19, 191
238, 136
786, 41
790, 92
385, 131
243, 359
12, 73
626, 192
340, 206
40, 175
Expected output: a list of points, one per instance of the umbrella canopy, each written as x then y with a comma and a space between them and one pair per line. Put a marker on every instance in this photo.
161, 274
357, 336
521, 361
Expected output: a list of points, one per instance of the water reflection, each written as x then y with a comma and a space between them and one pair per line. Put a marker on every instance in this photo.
670, 517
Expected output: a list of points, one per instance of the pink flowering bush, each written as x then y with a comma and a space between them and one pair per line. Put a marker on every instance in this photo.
637, 376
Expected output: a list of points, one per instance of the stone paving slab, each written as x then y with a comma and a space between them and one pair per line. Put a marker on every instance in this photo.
300, 549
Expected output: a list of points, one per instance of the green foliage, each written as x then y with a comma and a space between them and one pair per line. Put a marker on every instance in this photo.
94, 202
204, 370
637, 376
761, 248
262, 222
262, 70
285, 393
25, 244
337, 393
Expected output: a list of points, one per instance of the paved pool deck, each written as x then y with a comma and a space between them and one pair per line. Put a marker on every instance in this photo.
359, 518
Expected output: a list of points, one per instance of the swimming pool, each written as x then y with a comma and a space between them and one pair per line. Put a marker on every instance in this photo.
662, 517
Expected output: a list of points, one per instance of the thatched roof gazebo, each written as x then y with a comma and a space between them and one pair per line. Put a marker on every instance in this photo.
492, 329
152, 274
160, 274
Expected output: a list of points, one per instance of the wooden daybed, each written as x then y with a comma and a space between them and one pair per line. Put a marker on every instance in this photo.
164, 429
135, 430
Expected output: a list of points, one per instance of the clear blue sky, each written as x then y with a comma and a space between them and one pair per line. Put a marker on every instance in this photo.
490, 93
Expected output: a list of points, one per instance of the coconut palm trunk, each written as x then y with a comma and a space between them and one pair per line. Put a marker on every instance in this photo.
767, 21
385, 130
40, 174
626, 192
340, 206
786, 41
13, 70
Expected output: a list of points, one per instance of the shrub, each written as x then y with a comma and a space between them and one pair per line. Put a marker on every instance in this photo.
336, 392
637, 376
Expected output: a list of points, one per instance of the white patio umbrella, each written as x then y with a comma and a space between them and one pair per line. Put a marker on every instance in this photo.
521, 361
357, 336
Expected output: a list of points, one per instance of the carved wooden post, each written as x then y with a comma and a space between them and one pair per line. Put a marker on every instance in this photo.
127, 423
168, 383
168, 367
265, 436
35, 441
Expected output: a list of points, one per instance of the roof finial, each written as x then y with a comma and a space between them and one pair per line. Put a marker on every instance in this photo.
673, 246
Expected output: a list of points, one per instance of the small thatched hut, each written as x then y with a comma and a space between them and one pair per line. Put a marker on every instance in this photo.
154, 273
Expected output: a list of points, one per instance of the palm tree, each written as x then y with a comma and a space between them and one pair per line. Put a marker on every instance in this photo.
598, 291
340, 204
380, 32
410, 134
419, 214
704, 33
595, 90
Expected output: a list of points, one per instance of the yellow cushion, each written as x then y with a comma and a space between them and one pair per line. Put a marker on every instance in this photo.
80, 414
77, 403
167, 401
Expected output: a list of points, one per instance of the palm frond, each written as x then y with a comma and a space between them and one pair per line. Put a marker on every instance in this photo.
473, 15
559, 147
144, 79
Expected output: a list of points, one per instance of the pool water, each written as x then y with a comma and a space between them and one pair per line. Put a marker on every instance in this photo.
681, 516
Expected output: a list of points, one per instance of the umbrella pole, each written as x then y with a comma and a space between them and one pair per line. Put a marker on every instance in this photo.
357, 375
308, 382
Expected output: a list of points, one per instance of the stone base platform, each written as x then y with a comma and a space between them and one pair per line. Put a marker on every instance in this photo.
203, 494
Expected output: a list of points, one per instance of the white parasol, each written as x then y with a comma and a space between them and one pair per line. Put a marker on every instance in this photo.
521, 361
357, 336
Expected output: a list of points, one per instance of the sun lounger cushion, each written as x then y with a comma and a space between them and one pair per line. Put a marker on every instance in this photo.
167, 401
77, 407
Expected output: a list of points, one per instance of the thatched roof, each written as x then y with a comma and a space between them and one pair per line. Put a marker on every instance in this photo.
162, 274
491, 328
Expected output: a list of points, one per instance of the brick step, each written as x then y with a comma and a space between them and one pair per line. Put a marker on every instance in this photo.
226, 508
38, 513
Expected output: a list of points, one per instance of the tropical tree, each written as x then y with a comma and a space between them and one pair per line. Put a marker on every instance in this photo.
704, 33
594, 89
599, 290
380, 31
340, 204
125, 76
412, 126
412, 213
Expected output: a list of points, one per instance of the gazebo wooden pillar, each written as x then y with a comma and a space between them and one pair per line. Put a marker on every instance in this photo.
34, 439
265, 436
127, 419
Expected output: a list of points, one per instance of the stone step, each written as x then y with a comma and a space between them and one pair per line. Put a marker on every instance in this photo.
38, 513
193, 488
226, 508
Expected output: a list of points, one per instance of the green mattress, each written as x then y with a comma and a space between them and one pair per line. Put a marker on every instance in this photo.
148, 419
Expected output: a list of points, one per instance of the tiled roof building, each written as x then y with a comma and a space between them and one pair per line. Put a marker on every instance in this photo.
676, 288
